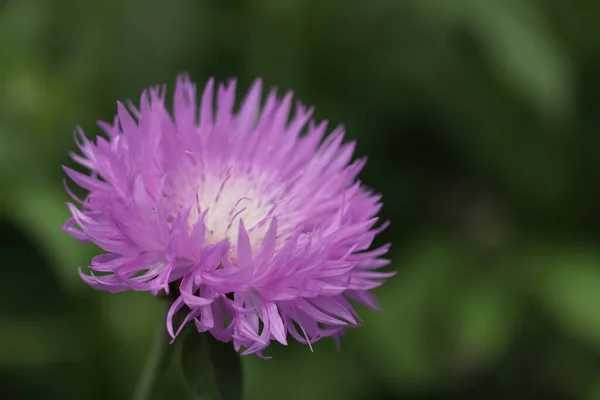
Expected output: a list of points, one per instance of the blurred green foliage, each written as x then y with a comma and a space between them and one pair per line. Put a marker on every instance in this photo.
481, 121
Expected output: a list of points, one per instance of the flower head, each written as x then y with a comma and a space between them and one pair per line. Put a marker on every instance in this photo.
257, 226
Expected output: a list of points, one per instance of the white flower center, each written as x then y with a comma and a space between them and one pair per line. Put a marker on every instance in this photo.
226, 200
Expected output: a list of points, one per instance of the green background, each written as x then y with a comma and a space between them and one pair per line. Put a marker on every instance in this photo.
481, 122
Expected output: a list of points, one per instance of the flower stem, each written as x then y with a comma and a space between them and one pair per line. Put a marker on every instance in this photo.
156, 365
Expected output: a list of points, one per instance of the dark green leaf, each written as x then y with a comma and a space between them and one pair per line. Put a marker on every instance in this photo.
227, 368
211, 369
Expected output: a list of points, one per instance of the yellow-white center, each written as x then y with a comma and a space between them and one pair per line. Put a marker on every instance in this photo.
224, 201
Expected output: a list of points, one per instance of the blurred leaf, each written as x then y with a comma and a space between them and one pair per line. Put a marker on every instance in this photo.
523, 50
34, 343
21, 25
12, 152
39, 209
486, 323
399, 339
130, 315
569, 290
212, 369
593, 392
260, 44
519, 45
36, 204
325, 373
185, 25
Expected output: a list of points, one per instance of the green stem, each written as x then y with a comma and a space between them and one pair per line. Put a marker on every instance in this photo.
156, 365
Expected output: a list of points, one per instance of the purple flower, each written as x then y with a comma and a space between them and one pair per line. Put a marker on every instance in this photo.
255, 225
